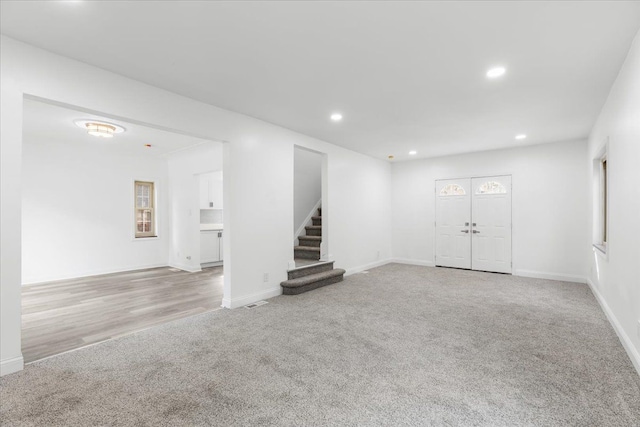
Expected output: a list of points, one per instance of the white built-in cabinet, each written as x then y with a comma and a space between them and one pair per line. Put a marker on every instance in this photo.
211, 190
211, 246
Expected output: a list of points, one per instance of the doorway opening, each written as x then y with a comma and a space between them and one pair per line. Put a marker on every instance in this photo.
309, 225
211, 216
107, 242
473, 223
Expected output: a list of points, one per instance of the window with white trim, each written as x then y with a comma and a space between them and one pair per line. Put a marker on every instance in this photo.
145, 209
601, 200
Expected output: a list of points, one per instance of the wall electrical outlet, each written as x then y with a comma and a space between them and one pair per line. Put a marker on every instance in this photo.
265, 278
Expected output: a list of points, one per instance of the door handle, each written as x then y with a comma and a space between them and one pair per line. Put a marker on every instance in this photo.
475, 231
464, 231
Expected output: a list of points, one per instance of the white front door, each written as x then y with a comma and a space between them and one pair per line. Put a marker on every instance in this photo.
473, 223
453, 217
491, 224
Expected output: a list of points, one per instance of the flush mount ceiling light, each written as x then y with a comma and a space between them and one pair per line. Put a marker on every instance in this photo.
99, 129
413, 152
521, 136
336, 117
496, 72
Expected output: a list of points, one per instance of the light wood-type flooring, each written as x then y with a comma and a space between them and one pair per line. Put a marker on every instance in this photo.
68, 314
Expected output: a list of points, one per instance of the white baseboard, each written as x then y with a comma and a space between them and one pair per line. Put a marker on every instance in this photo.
549, 276
44, 279
242, 301
354, 270
185, 267
10, 366
413, 262
633, 353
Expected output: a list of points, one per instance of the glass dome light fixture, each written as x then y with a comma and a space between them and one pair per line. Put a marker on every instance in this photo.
496, 72
99, 129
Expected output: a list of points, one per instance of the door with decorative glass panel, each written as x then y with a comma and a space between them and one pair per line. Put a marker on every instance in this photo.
473, 223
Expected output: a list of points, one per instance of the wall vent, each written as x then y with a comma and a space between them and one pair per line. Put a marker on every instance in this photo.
255, 304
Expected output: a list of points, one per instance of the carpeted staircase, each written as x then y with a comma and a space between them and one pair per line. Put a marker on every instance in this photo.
311, 277
315, 275
309, 247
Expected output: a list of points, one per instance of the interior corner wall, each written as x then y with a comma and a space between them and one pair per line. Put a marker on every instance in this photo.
77, 211
615, 279
183, 166
258, 178
11, 102
548, 206
307, 182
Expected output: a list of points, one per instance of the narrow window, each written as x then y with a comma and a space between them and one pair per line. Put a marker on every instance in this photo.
604, 192
601, 199
145, 209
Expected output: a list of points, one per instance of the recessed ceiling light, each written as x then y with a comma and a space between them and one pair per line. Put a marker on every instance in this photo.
413, 152
336, 117
99, 129
521, 136
496, 72
390, 157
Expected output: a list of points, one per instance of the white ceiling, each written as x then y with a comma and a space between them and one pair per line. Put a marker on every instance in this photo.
405, 75
45, 122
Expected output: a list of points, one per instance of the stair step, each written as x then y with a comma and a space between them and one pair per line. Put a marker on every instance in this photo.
317, 220
320, 211
309, 269
312, 281
314, 230
314, 241
306, 252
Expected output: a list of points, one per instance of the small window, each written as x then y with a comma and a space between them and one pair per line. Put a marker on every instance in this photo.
145, 209
491, 187
601, 199
452, 190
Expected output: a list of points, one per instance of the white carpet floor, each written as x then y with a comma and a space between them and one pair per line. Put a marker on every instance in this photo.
402, 345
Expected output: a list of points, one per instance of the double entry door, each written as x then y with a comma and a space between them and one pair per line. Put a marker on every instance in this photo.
473, 223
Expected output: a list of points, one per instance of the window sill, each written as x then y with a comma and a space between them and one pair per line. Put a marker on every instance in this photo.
144, 239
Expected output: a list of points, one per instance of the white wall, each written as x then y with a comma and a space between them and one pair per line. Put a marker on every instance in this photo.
77, 211
549, 199
615, 279
307, 181
184, 195
258, 181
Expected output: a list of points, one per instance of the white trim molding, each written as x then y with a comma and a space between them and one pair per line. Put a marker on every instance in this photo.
10, 366
549, 276
413, 262
185, 267
91, 273
354, 270
242, 301
633, 353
